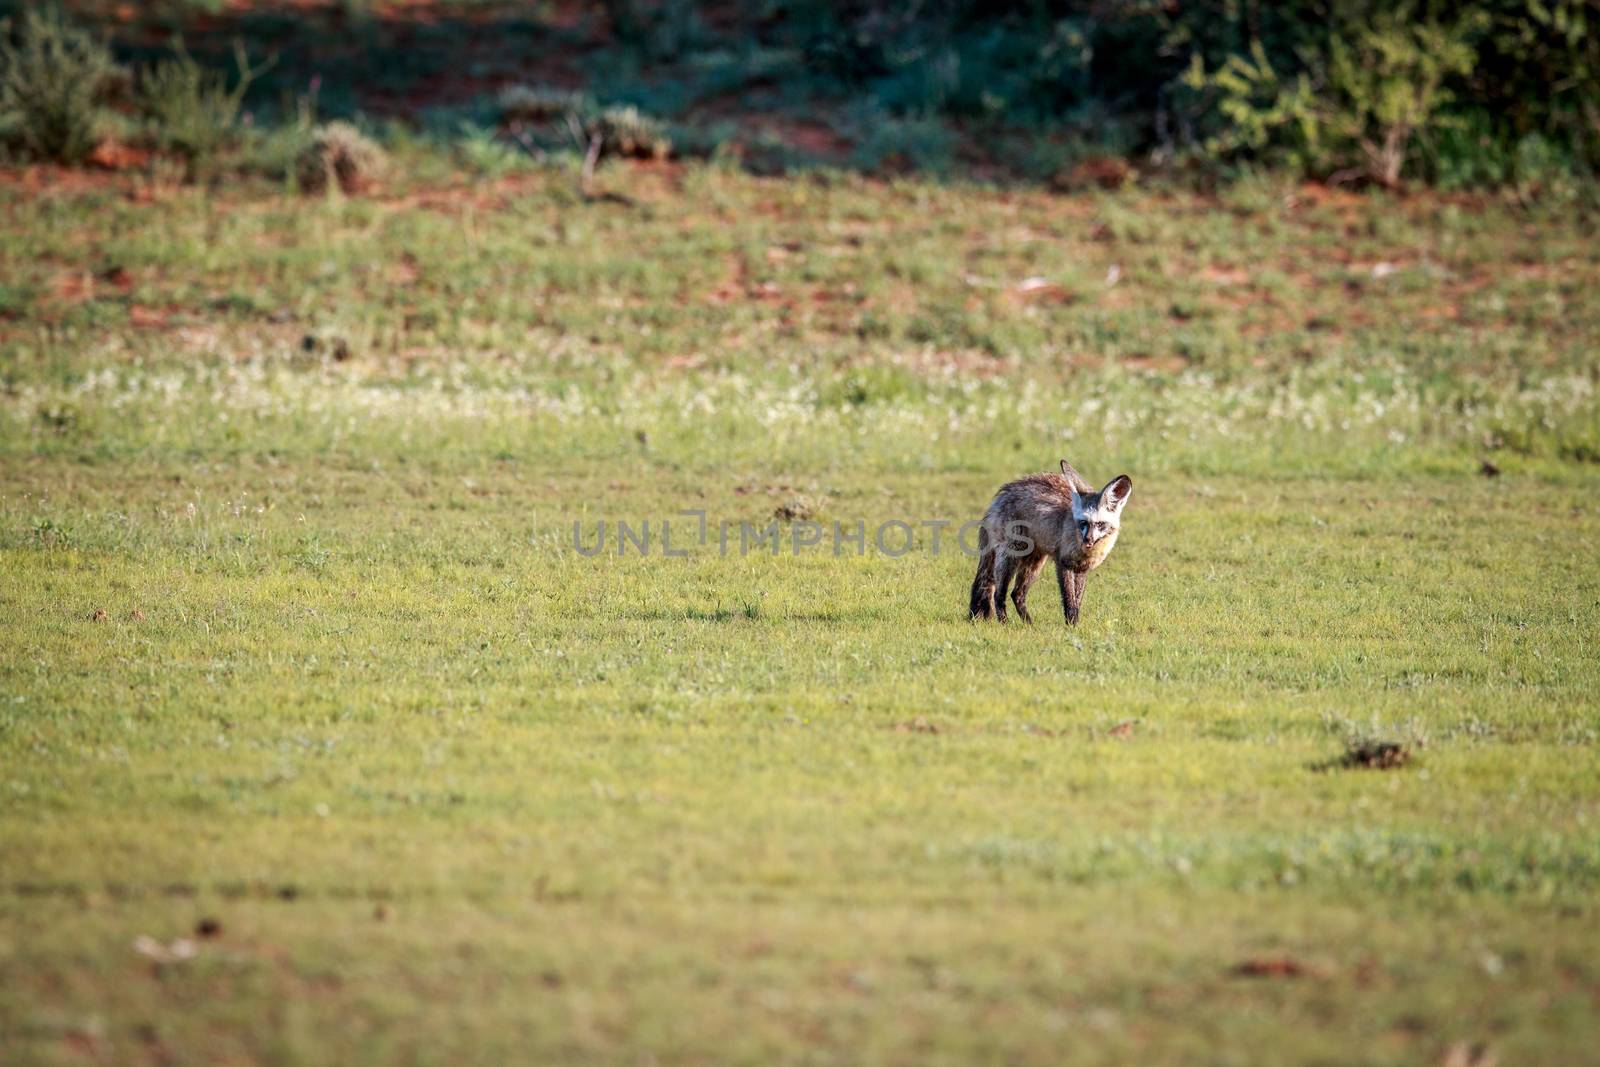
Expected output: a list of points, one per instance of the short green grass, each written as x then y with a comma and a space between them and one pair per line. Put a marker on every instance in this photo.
452, 791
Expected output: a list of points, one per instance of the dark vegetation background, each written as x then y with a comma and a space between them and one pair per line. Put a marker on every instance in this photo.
1493, 93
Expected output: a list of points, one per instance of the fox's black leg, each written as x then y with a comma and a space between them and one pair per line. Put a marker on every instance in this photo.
982, 602
1026, 573
1079, 583
1005, 566
1071, 584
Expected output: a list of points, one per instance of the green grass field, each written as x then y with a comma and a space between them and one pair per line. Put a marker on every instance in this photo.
305, 685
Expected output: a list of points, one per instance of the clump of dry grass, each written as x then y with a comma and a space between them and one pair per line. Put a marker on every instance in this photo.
1375, 754
800, 508
1373, 747
629, 133
338, 153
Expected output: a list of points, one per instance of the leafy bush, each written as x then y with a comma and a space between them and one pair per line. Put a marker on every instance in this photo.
1366, 88
53, 80
1386, 83
339, 155
191, 110
1256, 107
1354, 111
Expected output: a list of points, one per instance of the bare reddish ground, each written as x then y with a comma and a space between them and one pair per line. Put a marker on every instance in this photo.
114, 155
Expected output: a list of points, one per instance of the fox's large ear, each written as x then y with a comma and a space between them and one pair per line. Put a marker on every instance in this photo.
1116, 492
1077, 480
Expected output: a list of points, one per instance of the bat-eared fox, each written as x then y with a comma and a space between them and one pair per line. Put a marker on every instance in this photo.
1045, 517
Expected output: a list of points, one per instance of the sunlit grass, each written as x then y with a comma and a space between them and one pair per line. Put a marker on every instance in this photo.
297, 641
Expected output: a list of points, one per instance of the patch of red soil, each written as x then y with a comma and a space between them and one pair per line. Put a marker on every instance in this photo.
114, 155
41, 177
73, 286
817, 138
147, 318
1276, 967
1103, 172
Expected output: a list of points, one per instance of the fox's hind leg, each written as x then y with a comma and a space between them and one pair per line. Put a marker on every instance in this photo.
982, 601
1006, 567
1027, 572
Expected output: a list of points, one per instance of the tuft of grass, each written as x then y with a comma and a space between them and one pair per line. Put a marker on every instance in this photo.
628, 133
339, 156
800, 508
1377, 754
1375, 747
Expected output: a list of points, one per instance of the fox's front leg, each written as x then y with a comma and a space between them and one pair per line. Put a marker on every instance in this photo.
1027, 572
1072, 583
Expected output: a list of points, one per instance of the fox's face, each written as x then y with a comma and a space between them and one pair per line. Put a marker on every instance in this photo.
1098, 516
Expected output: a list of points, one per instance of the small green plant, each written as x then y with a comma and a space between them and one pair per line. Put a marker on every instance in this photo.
15, 300
274, 149
49, 533
339, 155
191, 110
481, 152
918, 143
54, 77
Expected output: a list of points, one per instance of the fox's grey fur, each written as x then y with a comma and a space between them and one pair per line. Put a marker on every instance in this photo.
1045, 517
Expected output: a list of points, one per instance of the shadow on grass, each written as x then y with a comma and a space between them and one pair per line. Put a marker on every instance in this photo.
744, 613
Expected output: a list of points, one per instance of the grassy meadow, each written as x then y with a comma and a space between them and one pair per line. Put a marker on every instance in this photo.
320, 742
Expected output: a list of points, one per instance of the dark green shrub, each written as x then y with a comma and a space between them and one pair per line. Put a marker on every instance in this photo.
53, 80
1351, 111
1360, 89
658, 29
